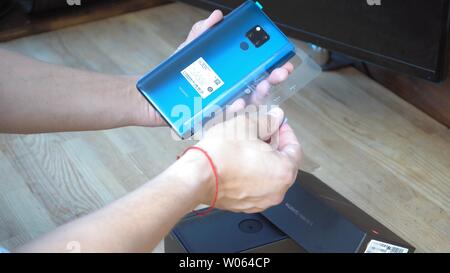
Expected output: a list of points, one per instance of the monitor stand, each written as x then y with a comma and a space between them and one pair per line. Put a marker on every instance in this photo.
333, 61
337, 61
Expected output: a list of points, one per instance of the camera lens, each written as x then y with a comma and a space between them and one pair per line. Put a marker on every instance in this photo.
258, 36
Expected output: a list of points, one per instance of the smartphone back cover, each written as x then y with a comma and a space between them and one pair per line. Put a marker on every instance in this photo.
214, 69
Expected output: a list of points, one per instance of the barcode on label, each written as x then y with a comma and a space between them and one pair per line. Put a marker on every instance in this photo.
202, 78
375, 246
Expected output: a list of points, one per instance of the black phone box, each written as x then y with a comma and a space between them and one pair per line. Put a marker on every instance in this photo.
312, 218
227, 232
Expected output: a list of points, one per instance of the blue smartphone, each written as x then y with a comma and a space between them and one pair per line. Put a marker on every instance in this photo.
214, 69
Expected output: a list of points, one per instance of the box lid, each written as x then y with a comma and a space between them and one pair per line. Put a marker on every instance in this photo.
321, 220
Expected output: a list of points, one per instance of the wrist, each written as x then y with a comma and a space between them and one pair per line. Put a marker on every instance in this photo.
196, 175
133, 102
141, 111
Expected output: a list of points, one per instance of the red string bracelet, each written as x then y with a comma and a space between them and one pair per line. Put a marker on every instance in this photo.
216, 177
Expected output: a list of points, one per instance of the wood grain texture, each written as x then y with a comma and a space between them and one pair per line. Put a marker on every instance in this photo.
432, 98
387, 157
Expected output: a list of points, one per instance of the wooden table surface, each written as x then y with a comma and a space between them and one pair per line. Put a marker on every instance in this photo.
378, 151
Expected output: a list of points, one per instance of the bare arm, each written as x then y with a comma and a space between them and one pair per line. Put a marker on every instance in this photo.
40, 97
252, 177
138, 221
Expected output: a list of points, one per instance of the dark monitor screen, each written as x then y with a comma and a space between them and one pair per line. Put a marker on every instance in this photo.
408, 36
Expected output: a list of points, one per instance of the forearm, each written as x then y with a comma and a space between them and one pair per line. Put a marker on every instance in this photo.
138, 221
40, 97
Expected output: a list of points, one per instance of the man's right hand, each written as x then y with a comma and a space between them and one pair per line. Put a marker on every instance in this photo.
253, 175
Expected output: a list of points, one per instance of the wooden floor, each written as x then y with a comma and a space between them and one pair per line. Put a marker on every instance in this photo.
378, 151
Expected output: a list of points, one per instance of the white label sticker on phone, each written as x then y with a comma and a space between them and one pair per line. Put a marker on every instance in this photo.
375, 246
202, 78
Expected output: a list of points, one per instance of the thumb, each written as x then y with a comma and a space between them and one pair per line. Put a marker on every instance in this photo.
289, 145
269, 123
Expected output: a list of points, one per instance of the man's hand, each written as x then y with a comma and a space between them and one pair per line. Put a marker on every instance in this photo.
94, 101
253, 175
148, 116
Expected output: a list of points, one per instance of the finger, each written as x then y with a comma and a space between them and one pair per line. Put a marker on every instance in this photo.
278, 75
201, 26
289, 145
215, 17
261, 92
289, 67
268, 124
236, 106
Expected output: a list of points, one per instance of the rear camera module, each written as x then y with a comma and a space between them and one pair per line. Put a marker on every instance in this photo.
258, 36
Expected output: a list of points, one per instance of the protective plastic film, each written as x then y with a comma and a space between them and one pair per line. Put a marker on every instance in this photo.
257, 92
305, 71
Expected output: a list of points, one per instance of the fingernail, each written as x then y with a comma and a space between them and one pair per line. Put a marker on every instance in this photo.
212, 14
276, 112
